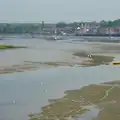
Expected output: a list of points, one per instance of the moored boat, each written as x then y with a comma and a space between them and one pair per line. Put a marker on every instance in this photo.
116, 62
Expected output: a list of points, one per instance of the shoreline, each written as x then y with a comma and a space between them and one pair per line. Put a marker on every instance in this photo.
81, 101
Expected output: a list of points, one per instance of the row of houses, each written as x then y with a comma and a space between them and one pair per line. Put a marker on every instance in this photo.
86, 28
115, 30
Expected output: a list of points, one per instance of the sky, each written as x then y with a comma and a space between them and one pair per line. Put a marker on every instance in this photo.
58, 10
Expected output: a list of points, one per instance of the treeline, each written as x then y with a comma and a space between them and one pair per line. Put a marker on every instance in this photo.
114, 23
102, 23
30, 27
73, 25
19, 28
35, 27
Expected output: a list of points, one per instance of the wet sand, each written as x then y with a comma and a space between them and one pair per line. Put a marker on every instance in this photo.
47, 57
29, 65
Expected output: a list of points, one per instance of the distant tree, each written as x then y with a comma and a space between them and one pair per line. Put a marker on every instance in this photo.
61, 25
109, 24
42, 26
114, 23
18, 28
103, 22
73, 25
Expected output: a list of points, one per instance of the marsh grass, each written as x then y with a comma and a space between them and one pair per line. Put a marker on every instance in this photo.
72, 104
95, 60
6, 46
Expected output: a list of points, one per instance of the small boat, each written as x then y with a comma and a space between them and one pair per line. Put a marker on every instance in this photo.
116, 62
54, 38
57, 38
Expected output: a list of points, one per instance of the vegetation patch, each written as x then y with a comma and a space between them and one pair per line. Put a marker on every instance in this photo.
94, 60
75, 101
116, 82
5, 46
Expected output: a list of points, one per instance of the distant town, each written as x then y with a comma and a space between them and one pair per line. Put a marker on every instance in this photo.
102, 28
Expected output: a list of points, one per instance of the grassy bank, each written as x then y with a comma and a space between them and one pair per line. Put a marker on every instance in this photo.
74, 102
95, 60
5, 46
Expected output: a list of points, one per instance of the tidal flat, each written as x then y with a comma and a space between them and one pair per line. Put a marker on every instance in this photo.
36, 87
75, 103
37, 58
95, 60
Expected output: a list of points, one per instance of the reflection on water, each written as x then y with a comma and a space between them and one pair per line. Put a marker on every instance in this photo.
26, 88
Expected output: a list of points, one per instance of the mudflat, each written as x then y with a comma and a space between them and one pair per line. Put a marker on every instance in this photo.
74, 103
101, 54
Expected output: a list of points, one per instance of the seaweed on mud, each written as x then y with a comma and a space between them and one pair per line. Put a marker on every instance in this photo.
6, 46
94, 60
75, 101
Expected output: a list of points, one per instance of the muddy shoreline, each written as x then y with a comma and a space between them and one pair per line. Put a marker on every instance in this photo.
96, 60
101, 54
30, 65
79, 102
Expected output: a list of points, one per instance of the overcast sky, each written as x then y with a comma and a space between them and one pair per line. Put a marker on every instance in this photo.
58, 10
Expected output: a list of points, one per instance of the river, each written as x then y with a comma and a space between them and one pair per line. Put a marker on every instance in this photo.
31, 90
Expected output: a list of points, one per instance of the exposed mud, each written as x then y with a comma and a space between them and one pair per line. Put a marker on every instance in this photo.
90, 102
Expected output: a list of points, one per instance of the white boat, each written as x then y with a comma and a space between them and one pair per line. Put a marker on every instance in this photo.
57, 38
54, 38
